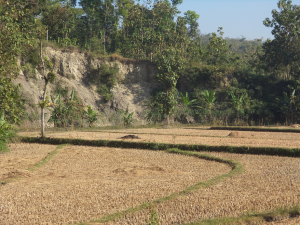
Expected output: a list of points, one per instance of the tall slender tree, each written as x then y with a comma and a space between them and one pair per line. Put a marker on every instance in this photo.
281, 52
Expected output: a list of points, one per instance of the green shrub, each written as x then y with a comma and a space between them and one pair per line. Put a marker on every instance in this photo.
6, 132
105, 77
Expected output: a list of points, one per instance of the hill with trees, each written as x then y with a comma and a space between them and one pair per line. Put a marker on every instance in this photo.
203, 78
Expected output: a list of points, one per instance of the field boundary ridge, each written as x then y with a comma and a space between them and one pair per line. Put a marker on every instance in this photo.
289, 152
277, 214
257, 129
37, 165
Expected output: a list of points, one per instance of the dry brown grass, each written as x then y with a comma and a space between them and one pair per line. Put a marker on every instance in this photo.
268, 182
83, 183
21, 157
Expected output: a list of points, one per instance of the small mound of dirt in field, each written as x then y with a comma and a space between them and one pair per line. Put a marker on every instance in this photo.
15, 173
143, 171
130, 137
234, 134
295, 125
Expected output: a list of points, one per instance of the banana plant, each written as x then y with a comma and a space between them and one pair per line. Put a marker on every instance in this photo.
58, 114
127, 117
186, 100
210, 98
238, 102
290, 103
92, 116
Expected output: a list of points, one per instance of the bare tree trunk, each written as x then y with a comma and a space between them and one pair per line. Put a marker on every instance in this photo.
45, 90
47, 35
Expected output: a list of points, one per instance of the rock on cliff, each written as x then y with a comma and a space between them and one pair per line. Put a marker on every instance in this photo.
135, 81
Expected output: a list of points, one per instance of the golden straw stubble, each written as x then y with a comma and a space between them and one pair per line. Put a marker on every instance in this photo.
83, 183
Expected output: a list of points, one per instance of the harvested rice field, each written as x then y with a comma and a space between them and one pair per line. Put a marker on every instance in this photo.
20, 158
268, 182
190, 136
83, 183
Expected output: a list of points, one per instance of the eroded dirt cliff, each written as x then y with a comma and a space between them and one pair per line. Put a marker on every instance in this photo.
134, 86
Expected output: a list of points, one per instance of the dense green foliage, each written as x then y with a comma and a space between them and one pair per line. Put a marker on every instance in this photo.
105, 77
249, 82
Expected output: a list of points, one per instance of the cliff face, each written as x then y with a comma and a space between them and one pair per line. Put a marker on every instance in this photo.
135, 82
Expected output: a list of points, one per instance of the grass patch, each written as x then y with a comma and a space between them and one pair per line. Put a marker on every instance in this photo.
237, 168
45, 160
254, 217
37, 165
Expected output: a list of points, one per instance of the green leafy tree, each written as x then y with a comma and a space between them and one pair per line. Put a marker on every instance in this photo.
11, 102
18, 29
217, 48
50, 77
282, 53
6, 131
169, 64
191, 17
